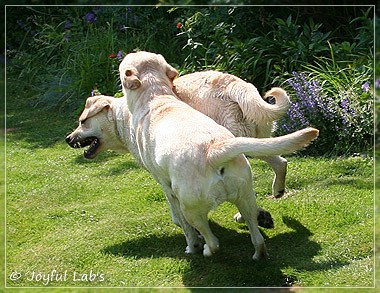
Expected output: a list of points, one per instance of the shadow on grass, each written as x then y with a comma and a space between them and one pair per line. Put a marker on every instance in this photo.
38, 127
104, 157
233, 266
357, 182
121, 167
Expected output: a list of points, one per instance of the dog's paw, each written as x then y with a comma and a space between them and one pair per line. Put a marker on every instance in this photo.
279, 193
260, 254
265, 219
189, 250
239, 218
195, 248
206, 251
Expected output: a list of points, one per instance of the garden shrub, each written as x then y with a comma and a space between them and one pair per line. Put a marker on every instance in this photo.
345, 120
261, 47
63, 54
71, 51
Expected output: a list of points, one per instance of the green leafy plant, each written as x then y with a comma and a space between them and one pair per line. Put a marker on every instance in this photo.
66, 53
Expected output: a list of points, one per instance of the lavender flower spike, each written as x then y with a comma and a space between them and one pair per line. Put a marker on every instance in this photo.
365, 87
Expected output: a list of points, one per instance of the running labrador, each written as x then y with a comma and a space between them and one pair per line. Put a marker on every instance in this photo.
238, 106
105, 124
199, 163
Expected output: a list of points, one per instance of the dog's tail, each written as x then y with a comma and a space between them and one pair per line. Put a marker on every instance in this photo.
256, 108
223, 151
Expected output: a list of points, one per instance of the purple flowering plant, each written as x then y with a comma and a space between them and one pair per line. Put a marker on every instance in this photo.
90, 16
365, 87
120, 55
344, 122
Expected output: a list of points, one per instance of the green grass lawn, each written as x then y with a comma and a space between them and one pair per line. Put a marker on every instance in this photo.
106, 222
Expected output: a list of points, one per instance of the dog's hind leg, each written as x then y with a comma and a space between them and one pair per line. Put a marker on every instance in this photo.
198, 218
279, 166
248, 209
193, 241
173, 213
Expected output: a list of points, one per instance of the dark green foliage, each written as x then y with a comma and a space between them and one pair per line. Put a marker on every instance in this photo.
65, 53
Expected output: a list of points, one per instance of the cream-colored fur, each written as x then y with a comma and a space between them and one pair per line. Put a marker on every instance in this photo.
238, 106
105, 124
199, 163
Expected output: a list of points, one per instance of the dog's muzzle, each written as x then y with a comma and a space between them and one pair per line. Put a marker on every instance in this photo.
92, 141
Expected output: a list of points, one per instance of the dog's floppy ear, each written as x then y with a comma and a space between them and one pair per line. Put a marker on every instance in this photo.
171, 72
131, 80
110, 115
93, 106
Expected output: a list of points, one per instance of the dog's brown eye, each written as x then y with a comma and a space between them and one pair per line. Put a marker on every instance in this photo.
128, 72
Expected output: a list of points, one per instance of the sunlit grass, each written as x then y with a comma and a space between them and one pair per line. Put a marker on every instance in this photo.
109, 217
106, 223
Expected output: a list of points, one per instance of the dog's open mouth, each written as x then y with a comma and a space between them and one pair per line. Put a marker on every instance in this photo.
92, 142
90, 152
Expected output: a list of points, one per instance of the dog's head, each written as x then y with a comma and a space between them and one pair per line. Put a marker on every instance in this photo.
136, 65
97, 128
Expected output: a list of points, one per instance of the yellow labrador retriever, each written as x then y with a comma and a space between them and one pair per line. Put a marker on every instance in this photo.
199, 163
238, 106
105, 124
